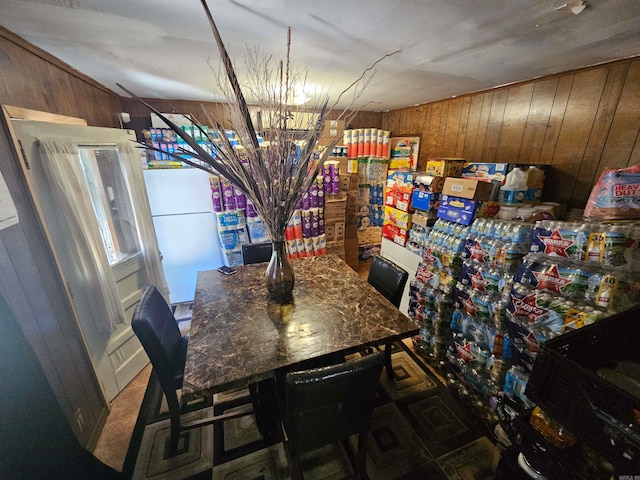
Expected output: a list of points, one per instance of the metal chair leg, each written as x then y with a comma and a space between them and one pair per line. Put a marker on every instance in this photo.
176, 428
387, 361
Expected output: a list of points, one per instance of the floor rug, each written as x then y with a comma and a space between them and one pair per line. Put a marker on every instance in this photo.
419, 431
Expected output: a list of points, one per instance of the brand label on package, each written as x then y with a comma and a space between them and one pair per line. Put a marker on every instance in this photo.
486, 171
424, 200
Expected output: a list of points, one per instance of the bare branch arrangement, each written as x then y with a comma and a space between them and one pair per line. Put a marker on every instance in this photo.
275, 172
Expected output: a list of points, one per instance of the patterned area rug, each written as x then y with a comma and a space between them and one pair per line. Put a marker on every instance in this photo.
419, 431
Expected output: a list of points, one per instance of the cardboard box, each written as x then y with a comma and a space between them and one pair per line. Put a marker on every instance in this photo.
397, 199
348, 182
486, 171
335, 208
445, 167
333, 130
401, 180
458, 210
369, 235
423, 218
470, 188
334, 231
404, 152
395, 234
424, 200
397, 217
399, 163
428, 183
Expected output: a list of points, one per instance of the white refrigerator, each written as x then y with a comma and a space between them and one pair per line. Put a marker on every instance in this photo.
186, 227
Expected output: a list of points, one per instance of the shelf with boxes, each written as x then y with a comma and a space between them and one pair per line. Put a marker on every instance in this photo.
168, 150
371, 178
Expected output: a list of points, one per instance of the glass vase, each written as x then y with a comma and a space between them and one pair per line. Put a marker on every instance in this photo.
279, 277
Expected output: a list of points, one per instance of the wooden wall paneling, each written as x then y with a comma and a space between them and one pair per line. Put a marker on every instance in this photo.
555, 118
514, 122
401, 127
389, 121
625, 127
366, 119
462, 128
4, 89
537, 121
434, 127
422, 128
433, 118
452, 127
483, 127
55, 82
105, 107
585, 176
472, 126
441, 130
582, 106
496, 116
139, 116
23, 73
408, 125
36, 80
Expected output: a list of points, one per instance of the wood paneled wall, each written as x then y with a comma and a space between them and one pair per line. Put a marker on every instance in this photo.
31, 78
579, 122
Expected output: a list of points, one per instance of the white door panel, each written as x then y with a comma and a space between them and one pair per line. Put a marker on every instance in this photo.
116, 356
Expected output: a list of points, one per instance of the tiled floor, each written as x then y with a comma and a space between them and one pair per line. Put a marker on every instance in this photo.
114, 441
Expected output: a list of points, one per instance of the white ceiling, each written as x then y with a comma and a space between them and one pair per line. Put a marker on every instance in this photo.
165, 49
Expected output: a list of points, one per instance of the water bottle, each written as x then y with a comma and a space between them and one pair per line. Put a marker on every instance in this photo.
514, 190
580, 243
613, 254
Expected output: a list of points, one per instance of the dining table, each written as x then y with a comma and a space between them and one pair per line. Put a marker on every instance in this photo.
238, 337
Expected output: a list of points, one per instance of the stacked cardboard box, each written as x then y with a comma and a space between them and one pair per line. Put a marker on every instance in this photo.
334, 223
340, 214
397, 210
349, 184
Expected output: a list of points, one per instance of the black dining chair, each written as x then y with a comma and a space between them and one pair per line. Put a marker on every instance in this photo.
36, 439
256, 252
388, 279
324, 405
156, 328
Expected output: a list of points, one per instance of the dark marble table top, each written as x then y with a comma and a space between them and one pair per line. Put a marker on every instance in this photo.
238, 337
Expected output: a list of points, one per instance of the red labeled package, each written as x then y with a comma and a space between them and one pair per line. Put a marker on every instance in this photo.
615, 196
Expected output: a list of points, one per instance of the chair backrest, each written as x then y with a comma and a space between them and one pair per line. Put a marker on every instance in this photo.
156, 328
324, 405
36, 439
256, 252
388, 279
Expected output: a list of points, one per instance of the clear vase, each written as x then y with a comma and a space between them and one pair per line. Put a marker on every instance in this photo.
279, 277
